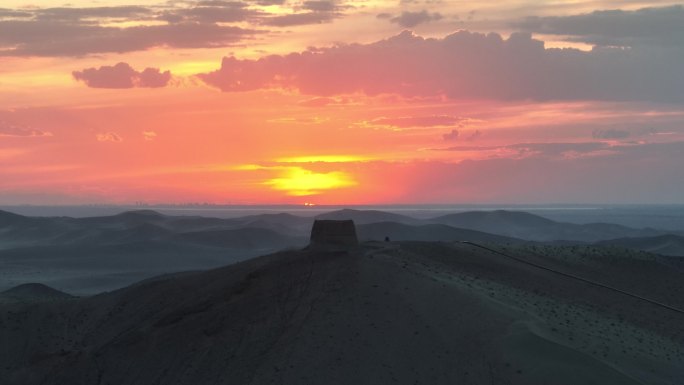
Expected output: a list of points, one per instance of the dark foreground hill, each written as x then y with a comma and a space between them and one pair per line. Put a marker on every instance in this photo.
382, 313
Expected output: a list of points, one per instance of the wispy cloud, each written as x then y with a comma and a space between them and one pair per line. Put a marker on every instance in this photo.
418, 121
109, 137
9, 129
408, 19
78, 31
149, 135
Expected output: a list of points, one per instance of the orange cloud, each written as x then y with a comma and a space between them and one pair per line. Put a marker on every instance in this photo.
149, 135
15, 130
109, 137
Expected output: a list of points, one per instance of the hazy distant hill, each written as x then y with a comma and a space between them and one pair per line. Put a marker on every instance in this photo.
243, 238
89, 255
528, 226
17, 230
136, 226
361, 217
130, 219
283, 223
664, 244
433, 232
8, 219
398, 313
93, 254
31, 292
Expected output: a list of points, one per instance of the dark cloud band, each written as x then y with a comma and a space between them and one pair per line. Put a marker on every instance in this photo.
464, 65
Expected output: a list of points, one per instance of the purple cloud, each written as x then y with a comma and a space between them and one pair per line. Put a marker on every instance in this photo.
411, 19
122, 75
662, 26
463, 65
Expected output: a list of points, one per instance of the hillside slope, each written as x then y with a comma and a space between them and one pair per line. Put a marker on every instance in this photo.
426, 233
523, 225
668, 244
404, 313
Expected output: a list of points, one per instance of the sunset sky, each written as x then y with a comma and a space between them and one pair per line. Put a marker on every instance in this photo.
341, 102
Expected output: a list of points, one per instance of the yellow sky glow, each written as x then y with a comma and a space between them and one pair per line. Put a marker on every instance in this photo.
325, 159
297, 181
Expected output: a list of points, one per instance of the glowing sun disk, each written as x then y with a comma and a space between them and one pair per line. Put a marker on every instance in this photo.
301, 182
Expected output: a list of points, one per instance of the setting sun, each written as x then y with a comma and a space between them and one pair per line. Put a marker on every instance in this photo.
297, 181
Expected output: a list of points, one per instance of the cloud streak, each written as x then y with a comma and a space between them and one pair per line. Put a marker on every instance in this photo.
419, 121
408, 19
662, 26
9, 129
74, 31
37, 38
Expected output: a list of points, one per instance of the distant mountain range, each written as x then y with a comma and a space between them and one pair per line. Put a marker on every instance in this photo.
532, 227
286, 229
146, 225
95, 254
109, 251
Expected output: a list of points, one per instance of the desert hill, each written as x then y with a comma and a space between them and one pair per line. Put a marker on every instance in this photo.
522, 225
94, 254
16, 230
399, 312
29, 292
361, 217
668, 244
429, 233
247, 238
